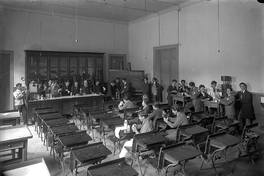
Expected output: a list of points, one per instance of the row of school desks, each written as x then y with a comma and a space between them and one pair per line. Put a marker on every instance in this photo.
63, 136
188, 140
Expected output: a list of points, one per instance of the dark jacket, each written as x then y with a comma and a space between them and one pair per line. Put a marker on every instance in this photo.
246, 109
156, 91
146, 90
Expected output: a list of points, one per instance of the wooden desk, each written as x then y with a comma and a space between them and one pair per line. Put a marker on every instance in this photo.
88, 154
224, 141
147, 140
117, 167
65, 104
74, 140
193, 130
9, 118
62, 130
15, 137
180, 98
181, 153
197, 117
212, 104
39, 168
111, 123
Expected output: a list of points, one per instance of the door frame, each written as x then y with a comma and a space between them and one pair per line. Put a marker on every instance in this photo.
11, 79
156, 61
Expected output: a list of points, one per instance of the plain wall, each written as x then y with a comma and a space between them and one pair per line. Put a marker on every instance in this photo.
240, 53
149, 32
36, 31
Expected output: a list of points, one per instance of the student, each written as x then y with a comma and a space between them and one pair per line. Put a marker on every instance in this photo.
76, 88
146, 107
202, 96
172, 90
126, 104
193, 94
144, 127
118, 88
177, 119
213, 91
87, 87
98, 89
183, 87
54, 88
229, 103
156, 90
126, 89
146, 88
246, 112
66, 88
155, 115
19, 95
113, 90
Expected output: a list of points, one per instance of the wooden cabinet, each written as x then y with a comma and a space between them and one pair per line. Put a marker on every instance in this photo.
45, 65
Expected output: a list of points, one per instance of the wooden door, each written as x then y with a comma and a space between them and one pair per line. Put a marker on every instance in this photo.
166, 66
6, 91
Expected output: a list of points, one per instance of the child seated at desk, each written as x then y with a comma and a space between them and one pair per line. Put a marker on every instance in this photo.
145, 127
177, 119
126, 104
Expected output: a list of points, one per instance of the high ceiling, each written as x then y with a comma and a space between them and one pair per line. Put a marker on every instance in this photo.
121, 10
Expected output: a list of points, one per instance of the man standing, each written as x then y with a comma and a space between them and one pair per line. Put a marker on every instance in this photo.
246, 110
172, 90
19, 96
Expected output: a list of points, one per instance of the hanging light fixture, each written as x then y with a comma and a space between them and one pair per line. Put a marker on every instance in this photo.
218, 27
76, 23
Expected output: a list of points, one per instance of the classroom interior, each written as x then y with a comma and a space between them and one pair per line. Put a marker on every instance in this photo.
102, 41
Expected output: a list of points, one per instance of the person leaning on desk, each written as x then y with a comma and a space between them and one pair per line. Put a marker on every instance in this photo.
144, 127
176, 119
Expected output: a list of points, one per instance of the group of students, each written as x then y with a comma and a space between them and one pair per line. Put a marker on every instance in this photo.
151, 113
56, 88
150, 116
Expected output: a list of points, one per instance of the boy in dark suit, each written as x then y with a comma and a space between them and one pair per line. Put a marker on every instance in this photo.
246, 109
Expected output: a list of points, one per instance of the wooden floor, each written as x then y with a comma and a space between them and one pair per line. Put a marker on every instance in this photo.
242, 166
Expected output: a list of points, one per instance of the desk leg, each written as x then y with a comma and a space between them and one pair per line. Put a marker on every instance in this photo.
24, 151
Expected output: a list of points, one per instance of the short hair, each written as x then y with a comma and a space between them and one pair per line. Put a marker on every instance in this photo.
18, 84
155, 79
242, 83
201, 86
174, 80
192, 84
213, 82
145, 78
183, 80
229, 88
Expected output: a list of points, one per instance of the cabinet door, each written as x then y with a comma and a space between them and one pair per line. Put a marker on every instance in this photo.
73, 64
63, 67
32, 67
43, 68
54, 67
